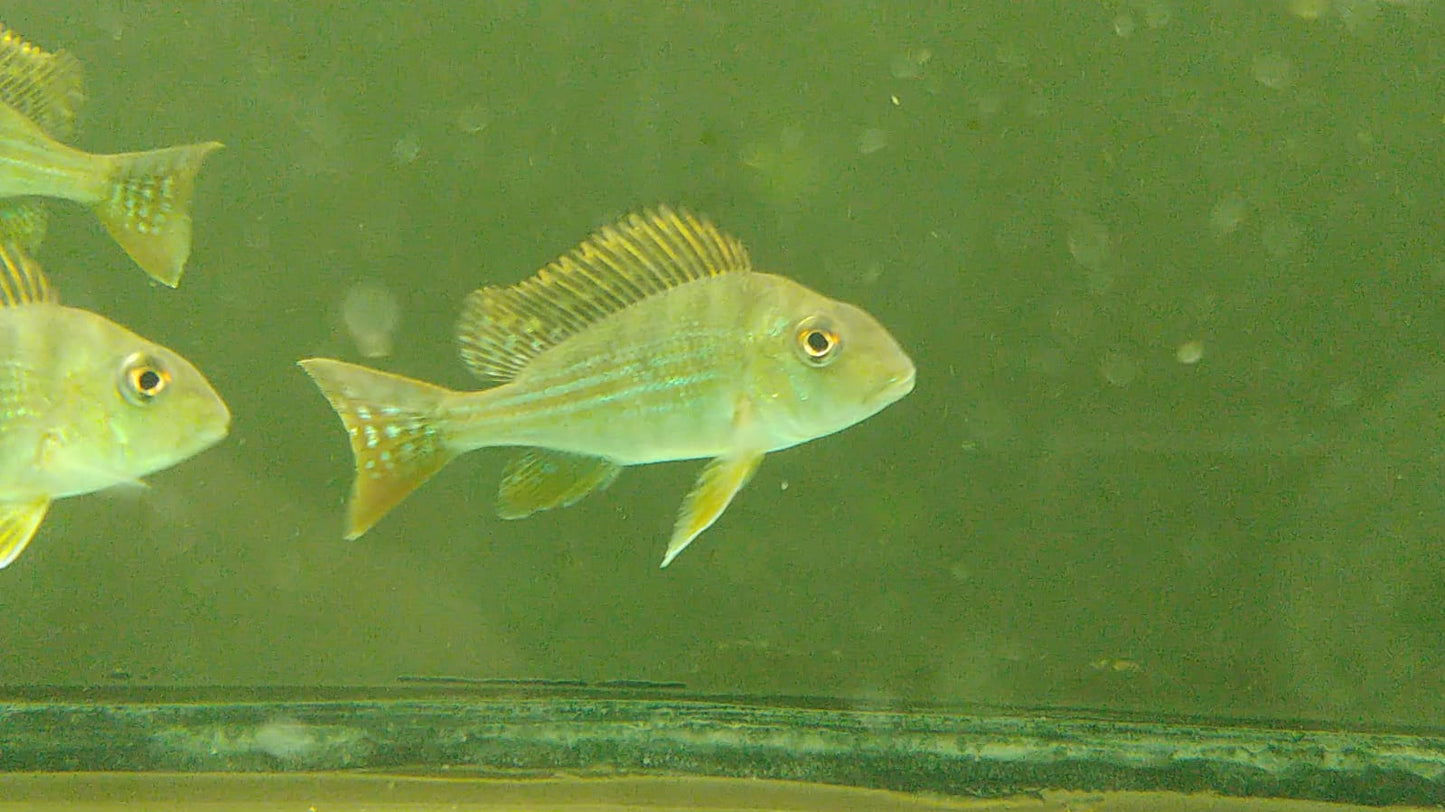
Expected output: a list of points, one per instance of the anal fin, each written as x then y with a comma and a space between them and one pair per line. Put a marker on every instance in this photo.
716, 486
18, 523
542, 479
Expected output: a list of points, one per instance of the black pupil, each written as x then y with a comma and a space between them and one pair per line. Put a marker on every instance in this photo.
818, 342
148, 380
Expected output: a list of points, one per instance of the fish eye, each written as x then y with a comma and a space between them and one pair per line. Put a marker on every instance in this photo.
142, 379
816, 341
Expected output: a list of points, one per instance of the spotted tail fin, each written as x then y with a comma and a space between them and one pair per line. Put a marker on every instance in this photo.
396, 434
148, 208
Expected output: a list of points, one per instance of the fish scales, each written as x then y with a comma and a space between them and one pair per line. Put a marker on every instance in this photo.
658, 381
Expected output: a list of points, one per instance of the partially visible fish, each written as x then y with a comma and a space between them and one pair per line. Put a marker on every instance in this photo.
48, 89
142, 198
85, 404
654, 340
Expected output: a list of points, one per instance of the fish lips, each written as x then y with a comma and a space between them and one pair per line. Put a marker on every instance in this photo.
895, 388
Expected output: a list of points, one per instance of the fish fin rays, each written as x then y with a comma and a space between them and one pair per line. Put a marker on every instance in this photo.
21, 280
502, 329
396, 432
541, 479
18, 523
716, 486
148, 209
47, 88
23, 222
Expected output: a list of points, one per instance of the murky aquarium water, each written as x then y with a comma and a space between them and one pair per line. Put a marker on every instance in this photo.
978, 405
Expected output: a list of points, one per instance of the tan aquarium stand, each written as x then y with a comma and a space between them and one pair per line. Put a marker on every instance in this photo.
562, 746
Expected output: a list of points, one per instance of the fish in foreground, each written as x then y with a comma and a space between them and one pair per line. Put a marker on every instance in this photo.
85, 404
142, 198
653, 340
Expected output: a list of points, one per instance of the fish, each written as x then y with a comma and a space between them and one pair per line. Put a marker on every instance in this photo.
49, 89
85, 404
654, 340
142, 198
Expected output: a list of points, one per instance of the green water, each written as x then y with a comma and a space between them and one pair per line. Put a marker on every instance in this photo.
1171, 273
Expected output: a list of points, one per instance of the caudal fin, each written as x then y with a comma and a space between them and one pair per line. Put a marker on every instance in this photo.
395, 430
148, 209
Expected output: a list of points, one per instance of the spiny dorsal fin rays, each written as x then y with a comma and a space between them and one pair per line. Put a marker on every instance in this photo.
502, 329
47, 88
21, 280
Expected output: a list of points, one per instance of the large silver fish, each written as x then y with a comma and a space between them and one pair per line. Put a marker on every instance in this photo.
142, 198
85, 404
654, 340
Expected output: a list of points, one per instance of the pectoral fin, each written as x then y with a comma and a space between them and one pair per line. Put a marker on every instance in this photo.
539, 479
714, 491
18, 523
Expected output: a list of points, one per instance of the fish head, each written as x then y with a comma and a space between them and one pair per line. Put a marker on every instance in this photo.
132, 407
827, 366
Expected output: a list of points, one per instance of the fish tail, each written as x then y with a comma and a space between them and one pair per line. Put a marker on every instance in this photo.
147, 208
397, 433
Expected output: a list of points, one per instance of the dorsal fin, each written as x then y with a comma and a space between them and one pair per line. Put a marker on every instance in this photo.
47, 88
21, 280
502, 329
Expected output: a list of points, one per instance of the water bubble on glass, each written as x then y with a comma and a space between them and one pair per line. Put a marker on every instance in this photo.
1308, 9
1124, 25
406, 149
472, 119
1228, 214
909, 64
1190, 352
1273, 70
371, 313
1281, 237
1011, 56
1357, 15
988, 105
1119, 369
1089, 242
1158, 15
1345, 395
1038, 105
871, 140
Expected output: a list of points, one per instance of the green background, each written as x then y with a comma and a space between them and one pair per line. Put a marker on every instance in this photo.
1047, 202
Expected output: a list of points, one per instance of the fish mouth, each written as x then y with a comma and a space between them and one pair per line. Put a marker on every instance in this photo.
896, 386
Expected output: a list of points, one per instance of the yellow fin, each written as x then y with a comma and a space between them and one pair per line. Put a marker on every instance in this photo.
502, 329
148, 210
716, 486
18, 523
21, 280
542, 479
47, 88
395, 432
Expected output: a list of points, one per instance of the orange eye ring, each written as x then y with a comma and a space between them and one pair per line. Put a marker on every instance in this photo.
143, 379
816, 342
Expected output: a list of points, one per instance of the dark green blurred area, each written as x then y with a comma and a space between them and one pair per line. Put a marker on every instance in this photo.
1171, 272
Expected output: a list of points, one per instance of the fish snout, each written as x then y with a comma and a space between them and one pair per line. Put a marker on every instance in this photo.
898, 385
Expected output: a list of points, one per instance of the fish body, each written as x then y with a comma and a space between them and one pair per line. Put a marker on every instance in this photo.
142, 198
653, 341
690, 373
85, 404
